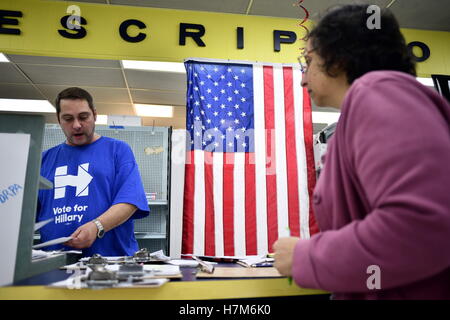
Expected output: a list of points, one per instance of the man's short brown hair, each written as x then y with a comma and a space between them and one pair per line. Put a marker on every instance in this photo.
73, 93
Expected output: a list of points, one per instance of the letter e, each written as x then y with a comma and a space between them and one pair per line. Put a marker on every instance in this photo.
8, 21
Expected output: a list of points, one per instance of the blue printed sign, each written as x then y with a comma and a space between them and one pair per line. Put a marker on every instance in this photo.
10, 192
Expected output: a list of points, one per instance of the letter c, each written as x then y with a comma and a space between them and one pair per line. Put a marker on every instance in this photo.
123, 30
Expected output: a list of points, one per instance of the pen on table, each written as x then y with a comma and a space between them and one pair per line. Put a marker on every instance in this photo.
289, 278
263, 264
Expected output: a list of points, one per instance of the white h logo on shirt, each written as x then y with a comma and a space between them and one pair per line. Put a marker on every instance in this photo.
80, 181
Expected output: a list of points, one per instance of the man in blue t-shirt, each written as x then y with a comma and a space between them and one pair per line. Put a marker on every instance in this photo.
97, 187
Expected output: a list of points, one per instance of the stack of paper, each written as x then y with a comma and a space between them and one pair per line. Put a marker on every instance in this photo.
76, 282
153, 270
39, 254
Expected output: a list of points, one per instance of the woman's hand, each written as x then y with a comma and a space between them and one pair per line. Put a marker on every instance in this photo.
284, 252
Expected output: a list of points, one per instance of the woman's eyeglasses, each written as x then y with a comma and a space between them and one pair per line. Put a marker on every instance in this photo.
304, 60
303, 64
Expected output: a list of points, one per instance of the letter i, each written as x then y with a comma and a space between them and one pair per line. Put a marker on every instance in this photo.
240, 37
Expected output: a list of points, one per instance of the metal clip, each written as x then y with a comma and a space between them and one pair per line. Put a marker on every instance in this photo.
205, 267
96, 260
142, 256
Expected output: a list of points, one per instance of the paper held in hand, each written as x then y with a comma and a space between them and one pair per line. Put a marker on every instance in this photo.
52, 242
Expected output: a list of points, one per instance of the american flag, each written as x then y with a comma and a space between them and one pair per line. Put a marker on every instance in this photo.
249, 170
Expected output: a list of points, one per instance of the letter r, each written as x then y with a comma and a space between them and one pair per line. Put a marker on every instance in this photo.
195, 35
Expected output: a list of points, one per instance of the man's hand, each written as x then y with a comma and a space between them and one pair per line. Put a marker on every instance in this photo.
284, 252
84, 236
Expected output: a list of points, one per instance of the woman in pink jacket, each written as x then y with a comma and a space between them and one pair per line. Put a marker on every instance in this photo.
382, 199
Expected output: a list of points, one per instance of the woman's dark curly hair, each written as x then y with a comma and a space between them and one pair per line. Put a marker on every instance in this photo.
345, 43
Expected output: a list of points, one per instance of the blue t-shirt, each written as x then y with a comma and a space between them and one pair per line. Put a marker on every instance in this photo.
87, 181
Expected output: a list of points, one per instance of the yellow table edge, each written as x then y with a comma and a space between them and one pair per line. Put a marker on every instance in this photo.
183, 290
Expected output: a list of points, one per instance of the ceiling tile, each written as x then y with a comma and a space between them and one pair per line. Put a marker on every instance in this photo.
419, 14
19, 91
109, 95
174, 98
100, 95
138, 79
115, 108
9, 74
55, 61
74, 76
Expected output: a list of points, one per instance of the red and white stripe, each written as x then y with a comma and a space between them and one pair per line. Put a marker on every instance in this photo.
238, 204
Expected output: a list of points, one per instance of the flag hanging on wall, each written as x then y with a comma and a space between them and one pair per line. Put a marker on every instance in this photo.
249, 170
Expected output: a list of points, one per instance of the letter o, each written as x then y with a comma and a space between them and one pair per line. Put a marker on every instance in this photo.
425, 50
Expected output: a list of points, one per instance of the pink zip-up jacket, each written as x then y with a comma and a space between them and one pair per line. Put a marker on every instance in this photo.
382, 200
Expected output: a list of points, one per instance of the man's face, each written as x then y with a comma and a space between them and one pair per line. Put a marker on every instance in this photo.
77, 121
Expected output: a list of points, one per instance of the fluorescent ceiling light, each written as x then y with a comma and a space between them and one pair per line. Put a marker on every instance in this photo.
426, 81
177, 67
3, 58
153, 110
325, 117
25, 105
102, 119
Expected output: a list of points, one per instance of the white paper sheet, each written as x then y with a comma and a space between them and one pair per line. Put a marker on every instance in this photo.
40, 224
153, 269
52, 242
183, 263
